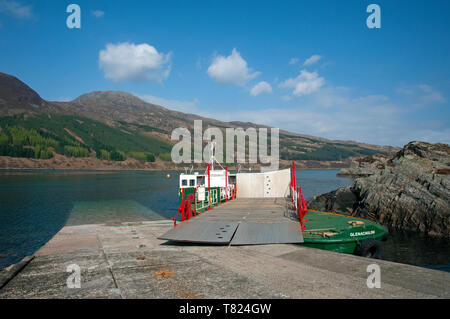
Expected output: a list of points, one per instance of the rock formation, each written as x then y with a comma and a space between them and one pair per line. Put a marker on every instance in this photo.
408, 191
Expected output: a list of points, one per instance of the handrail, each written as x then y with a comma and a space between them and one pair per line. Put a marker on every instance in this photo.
185, 209
300, 204
214, 198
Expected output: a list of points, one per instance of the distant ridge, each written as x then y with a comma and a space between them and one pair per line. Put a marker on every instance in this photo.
116, 108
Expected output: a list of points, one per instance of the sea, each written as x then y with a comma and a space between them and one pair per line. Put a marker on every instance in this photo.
36, 204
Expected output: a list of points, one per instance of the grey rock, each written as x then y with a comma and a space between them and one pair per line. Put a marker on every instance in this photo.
366, 166
410, 191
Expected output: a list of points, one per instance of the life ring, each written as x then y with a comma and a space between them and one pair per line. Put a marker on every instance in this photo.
369, 248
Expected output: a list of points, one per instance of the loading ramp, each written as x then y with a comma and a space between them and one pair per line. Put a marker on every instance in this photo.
243, 221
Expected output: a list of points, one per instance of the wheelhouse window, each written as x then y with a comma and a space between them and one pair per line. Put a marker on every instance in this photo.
192, 182
184, 182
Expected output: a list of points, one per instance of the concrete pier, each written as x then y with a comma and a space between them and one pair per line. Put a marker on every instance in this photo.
129, 261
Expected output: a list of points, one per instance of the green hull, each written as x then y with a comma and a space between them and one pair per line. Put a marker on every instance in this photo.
339, 233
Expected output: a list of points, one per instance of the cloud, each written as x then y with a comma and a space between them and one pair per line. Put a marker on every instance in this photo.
311, 60
232, 69
304, 84
64, 99
422, 95
293, 61
371, 99
430, 95
98, 13
261, 87
371, 119
131, 62
16, 9
182, 106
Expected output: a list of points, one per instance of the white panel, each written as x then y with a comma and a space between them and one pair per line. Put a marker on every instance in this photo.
259, 185
201, 194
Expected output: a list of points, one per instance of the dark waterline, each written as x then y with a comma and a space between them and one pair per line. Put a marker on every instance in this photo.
35, 205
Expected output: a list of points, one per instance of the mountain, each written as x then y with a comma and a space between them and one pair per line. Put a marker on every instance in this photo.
132, 119
16, 97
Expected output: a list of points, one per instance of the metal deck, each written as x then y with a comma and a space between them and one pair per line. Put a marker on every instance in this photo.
245, 221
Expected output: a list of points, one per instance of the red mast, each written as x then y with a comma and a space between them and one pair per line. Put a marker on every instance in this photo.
226, 183
209, 188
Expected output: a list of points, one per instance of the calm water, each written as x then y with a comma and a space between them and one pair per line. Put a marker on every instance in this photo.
34, 206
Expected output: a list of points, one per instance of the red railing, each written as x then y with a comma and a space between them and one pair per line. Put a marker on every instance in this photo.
300, 204
233, 192
185, 210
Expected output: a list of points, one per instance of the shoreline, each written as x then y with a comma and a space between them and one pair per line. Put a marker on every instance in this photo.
87, 170
61, 162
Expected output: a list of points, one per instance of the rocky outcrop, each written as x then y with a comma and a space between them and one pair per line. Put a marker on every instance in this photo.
366, 166
410, 191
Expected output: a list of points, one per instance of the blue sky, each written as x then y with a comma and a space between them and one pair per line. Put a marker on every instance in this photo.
311, 67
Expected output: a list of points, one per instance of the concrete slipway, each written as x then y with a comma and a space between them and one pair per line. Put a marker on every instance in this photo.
128, 261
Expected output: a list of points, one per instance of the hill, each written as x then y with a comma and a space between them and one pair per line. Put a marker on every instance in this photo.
40, 135
107, 123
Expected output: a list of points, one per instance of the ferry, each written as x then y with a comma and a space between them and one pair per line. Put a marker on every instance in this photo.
205, 190
333, 231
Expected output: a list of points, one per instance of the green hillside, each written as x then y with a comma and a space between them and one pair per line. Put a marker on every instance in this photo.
328, 152
38, 136
302, 148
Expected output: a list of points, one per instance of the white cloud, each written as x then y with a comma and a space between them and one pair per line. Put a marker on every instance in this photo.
304, 84
131, 62
422, 95
182, 106
64, 99
311, 60
293, 61
261, 87
371, 99
16, 9
431, 95
371, 119
98, 13
232, 69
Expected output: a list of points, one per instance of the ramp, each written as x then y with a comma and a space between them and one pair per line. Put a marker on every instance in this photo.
202, 232
263, 234
243, 221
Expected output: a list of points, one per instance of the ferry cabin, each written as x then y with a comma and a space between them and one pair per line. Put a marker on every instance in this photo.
209, 189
